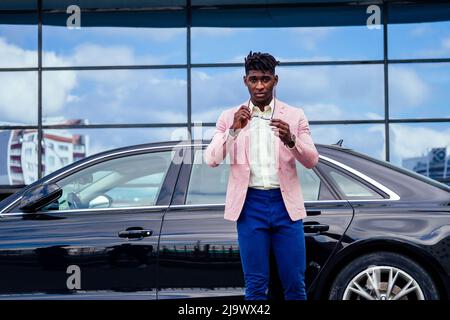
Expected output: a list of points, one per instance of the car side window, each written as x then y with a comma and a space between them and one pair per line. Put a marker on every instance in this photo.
351, 188
131, 181
208, 185
309, 182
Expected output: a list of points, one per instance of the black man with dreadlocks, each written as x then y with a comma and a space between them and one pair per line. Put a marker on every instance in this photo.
264, 195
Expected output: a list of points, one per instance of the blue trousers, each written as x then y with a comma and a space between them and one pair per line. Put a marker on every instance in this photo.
264, 223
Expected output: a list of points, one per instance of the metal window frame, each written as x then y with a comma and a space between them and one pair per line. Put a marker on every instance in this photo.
188, 66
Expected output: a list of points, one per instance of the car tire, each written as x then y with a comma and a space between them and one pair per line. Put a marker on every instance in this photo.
358, 280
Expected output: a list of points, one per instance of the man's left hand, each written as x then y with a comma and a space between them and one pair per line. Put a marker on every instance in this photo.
281, 129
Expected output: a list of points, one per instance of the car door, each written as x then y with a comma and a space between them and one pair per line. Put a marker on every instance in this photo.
199, 254
328, 217
100, 238
199, 251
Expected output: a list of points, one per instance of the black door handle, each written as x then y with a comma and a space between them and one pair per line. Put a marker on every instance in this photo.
315, 228
135, 233
313, 213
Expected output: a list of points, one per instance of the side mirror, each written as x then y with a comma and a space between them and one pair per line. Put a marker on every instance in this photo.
102, 201
39, 196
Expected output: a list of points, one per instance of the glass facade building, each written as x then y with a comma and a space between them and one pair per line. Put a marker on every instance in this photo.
80, 77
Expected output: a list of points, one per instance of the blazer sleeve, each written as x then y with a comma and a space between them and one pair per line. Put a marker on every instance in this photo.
304, 150
220, 144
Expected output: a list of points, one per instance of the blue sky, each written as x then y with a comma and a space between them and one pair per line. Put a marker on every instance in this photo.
156, 96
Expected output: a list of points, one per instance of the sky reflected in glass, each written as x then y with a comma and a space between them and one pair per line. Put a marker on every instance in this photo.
287, 44
115, 96
419, 90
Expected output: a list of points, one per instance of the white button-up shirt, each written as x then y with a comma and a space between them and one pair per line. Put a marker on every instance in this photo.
263, 170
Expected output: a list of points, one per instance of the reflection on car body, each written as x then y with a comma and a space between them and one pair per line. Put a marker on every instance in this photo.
147, 222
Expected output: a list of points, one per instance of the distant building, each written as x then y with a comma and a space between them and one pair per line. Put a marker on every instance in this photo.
435, 164
19, 164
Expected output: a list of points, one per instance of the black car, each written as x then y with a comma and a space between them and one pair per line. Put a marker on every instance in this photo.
146, 222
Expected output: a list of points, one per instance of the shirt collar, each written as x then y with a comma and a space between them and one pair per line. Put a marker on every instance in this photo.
267, 109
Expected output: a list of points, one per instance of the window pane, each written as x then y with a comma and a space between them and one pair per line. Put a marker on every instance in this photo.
423, 148
18, 41
287, 44
334, 92
419, 40
419, 90
324, 92
352, 188
18, 157
309, 182
364, 138
419, 31
132, 181
63, 147
99, 43
115, 96
207, 185
18, 98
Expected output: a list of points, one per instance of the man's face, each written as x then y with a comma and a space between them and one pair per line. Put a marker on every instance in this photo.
260, 86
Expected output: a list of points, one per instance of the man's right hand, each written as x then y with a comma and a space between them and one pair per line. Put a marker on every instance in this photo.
241, 118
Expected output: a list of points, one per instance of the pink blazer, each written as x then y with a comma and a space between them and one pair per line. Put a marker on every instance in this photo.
238, 149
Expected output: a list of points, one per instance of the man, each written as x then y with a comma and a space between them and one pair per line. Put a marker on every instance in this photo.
264, 195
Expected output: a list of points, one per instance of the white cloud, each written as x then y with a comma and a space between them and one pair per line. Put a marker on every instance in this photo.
18, 97
210, 115
89, 54
322, 111
367, 139
120, 90
144, 34
407, 89
325, 92
380, 131
373, 116
308, 38
325, 134
18, 92
72, 98
56, 89
14, 56
420, 30
441, 50
415, 141
203, 76
214, 32
446, 44
350, 90
168, 116
216, 92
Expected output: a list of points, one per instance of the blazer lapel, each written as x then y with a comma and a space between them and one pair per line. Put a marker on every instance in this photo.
246, 135
279, 113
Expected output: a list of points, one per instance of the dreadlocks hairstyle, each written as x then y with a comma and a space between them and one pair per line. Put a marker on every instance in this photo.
261, 62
